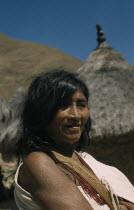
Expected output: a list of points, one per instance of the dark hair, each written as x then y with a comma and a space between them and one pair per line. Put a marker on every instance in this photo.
46, 94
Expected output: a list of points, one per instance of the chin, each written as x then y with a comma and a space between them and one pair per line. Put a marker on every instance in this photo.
72, 140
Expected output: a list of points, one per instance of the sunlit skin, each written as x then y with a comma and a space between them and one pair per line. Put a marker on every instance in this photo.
126, 205
50, 186
69, 121
68, 124
39, 175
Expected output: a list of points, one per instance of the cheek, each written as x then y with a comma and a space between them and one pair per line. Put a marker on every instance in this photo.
57, 122
85, 116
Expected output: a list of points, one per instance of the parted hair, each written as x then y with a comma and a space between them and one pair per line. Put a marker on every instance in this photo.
47, 93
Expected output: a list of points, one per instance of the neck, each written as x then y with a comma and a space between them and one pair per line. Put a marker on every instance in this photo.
63, 148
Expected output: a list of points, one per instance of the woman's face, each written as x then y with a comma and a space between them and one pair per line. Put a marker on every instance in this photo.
69, 121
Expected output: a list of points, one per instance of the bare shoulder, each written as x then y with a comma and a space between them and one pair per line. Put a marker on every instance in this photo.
37, 158
38, 161
38, 168
49, 185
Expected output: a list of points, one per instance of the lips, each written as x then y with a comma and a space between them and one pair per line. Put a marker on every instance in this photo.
72, 126
73, 129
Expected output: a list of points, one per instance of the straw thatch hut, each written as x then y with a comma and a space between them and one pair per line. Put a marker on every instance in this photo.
9, 133
9, 122
111, 82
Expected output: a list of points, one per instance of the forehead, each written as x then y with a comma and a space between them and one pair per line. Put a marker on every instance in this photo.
69, 97
78, 94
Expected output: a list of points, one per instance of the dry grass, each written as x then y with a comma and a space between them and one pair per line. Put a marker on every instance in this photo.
110, 79
21, 60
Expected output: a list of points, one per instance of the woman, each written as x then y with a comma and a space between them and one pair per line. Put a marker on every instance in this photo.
52, 175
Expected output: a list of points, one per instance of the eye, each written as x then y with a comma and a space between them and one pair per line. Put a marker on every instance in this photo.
82, 103
64, 105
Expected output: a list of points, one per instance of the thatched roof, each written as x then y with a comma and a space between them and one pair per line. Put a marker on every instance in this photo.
9, 122
16, 101
111, 83
5, 114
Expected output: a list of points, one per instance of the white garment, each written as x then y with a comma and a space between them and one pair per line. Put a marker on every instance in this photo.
116, 179
24, 199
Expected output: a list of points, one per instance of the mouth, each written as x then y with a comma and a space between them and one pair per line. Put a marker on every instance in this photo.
73, 127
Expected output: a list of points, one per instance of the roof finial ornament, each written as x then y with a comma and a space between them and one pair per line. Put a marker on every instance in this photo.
100, 34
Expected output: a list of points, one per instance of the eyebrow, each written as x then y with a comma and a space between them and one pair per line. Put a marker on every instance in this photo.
82, 100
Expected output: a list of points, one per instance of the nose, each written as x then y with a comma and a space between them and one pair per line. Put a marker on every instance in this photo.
73, 113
